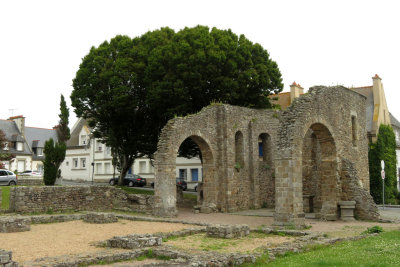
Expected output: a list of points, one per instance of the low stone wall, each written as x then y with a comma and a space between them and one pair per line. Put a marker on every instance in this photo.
11, 224
6, 259
100, 218
29, 180
76, 198
228, 231
134, 241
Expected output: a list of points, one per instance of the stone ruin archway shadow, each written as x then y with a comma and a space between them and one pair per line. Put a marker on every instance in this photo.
319, 173
165, 189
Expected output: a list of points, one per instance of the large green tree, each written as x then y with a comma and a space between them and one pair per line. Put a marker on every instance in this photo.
383, 149
63, 131
129, 88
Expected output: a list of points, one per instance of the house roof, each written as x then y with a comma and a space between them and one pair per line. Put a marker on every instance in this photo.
12, 134
74, 139
36, 137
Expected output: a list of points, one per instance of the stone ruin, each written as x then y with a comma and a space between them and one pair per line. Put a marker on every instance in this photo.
304, 159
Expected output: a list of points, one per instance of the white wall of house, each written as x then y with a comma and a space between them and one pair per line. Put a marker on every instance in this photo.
37, 165
76, 165
21, 163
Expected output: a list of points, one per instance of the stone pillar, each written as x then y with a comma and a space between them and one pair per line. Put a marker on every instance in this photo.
347, 210
165, 191
288, 194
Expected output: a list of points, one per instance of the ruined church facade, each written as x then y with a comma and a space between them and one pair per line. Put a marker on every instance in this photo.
306, 158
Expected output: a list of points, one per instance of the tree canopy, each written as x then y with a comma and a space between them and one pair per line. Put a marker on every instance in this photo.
4, 154
63, 131
129, 88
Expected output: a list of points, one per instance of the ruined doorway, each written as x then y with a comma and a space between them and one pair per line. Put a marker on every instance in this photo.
319, 173
201, 177
266, 171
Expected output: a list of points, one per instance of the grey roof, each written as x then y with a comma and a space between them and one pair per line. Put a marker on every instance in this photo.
394, 121
12, 134
36, 137
369, 112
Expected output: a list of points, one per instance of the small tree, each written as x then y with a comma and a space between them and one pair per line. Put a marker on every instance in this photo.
55, 151
383, 149
55, 155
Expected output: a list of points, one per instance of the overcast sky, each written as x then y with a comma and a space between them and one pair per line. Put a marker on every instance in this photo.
42, 43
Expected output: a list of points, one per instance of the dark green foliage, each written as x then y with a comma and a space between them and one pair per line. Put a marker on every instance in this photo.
383, 149
129, 88
4, 155
54, 156
63, 131
374, 230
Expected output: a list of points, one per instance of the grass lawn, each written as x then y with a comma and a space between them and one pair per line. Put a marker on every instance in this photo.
382, 250
5, 203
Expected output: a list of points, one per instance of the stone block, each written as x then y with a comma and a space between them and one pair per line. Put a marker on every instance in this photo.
10, 224
100, 218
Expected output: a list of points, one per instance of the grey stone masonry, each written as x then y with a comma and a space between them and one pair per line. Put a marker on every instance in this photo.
76, 198
100, 218
6, 259
10, 224
228, 231
291, 160
27, 180
134, 241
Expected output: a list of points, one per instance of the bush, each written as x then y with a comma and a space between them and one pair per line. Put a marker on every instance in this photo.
374, 230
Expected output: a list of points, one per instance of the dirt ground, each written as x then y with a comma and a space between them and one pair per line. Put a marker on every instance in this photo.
50, 240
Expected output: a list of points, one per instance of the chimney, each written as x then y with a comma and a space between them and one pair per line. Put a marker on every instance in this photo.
295, 91
20, 122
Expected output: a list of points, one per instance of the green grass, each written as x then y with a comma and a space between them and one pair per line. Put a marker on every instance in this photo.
381, 250
5, 203
133, 190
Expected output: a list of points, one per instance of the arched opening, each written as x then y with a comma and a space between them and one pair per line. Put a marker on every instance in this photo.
195, 168
319, 171
239, 151
266, 171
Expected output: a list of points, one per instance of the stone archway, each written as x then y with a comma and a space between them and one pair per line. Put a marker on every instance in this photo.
165, 188
319, 173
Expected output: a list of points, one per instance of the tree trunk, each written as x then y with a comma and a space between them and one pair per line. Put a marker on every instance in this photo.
126, 163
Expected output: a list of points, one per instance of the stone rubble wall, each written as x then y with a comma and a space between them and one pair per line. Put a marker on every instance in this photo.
228, 231
29, 180
76, 198
100, 218
6, 259
134, 241
11, 224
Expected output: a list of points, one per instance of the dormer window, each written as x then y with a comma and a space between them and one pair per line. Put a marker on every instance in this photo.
20, 146
83, 140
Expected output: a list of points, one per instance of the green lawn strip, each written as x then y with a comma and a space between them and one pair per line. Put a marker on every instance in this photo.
132, 190
381, 250
5, 202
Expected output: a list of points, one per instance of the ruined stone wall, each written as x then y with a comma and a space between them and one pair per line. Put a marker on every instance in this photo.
68, 198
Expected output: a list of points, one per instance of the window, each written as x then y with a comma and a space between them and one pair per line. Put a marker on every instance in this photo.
107, 168
20, 146
239, 157
5, 146
98, 168
39, 151
83, 139
195, 174
83, 163
66, 163
183, 174
264, 148
99, 146
397, 135
75, 165
108, 151
354, 130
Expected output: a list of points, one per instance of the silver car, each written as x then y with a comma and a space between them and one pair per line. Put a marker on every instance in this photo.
7, 177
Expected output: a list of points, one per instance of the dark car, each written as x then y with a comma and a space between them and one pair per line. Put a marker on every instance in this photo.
179, 182
130, 180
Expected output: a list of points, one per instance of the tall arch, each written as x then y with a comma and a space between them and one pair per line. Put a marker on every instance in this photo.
165, 166
319, 172
266, 171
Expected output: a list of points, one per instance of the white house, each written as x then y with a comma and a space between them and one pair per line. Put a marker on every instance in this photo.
87, 159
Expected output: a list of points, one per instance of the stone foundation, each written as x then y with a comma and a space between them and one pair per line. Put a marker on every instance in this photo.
100, 218
228, 231
347, 210
10, 224
133, 241
6, 259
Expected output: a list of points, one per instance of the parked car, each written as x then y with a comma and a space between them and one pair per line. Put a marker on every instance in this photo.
179, 182
130, 180
31, 173
8, 177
